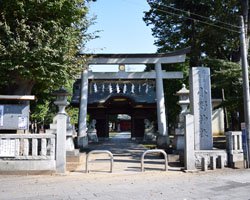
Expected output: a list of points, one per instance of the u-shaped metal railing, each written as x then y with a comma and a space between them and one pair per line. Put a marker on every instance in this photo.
154, 151
100, 152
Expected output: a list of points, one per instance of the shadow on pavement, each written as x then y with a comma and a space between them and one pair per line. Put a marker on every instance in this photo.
127, 153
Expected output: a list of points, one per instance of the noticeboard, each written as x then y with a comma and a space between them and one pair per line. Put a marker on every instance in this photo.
14, 117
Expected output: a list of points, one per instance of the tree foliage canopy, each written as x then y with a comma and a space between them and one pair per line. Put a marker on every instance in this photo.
211, 29
177, 24
39, 40
39, 43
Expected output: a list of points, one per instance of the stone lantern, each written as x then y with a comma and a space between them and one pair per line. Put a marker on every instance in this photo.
184, 102
61, 102
61, 99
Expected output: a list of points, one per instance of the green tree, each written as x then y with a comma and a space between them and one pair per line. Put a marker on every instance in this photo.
39, 43
211, 29
39, 40
177, 24
227, 82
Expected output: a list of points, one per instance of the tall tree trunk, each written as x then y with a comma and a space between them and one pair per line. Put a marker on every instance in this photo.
195, 51
19, 86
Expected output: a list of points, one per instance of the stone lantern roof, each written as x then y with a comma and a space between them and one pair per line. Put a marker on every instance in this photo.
183, 94
182, 91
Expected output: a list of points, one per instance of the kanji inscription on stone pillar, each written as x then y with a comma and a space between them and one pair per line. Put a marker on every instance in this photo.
201, 107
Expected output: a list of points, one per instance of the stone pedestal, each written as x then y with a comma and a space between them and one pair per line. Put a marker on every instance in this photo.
179, 140
92, 136
82, 142
60, 123
189, 143
162, 141
61, 143
70, 146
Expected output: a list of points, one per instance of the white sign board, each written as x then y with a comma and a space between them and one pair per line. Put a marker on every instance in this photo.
22, 123
7, 148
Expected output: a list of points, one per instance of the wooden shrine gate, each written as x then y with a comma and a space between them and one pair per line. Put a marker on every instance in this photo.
135, 97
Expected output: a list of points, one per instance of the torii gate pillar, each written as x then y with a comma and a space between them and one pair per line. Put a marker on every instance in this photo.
161, 111
82, 139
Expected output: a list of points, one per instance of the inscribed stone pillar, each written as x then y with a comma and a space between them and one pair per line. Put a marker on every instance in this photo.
161, 113
201, 107
82, 130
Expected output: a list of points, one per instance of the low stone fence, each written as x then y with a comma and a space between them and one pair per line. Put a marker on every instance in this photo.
208, 154
234, 142
235, 148
27, 152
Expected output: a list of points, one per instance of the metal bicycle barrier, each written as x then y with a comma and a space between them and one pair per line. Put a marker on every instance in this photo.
111, 159
154, 151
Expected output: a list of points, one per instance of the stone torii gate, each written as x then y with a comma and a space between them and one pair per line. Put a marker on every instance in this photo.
123, 59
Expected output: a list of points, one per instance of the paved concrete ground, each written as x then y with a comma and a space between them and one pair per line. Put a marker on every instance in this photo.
127, 182
226, 184
127, 155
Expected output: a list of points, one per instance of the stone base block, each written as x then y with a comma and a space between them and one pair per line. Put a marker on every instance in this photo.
82, 142
237, 157
149, 137
238, 165
236, 160
162, 142
92, 137
179, 142
70, 146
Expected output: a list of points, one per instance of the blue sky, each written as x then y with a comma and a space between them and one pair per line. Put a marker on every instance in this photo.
122, 28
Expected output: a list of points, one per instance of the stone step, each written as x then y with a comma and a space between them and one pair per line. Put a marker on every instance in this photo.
173, 158
75, 162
